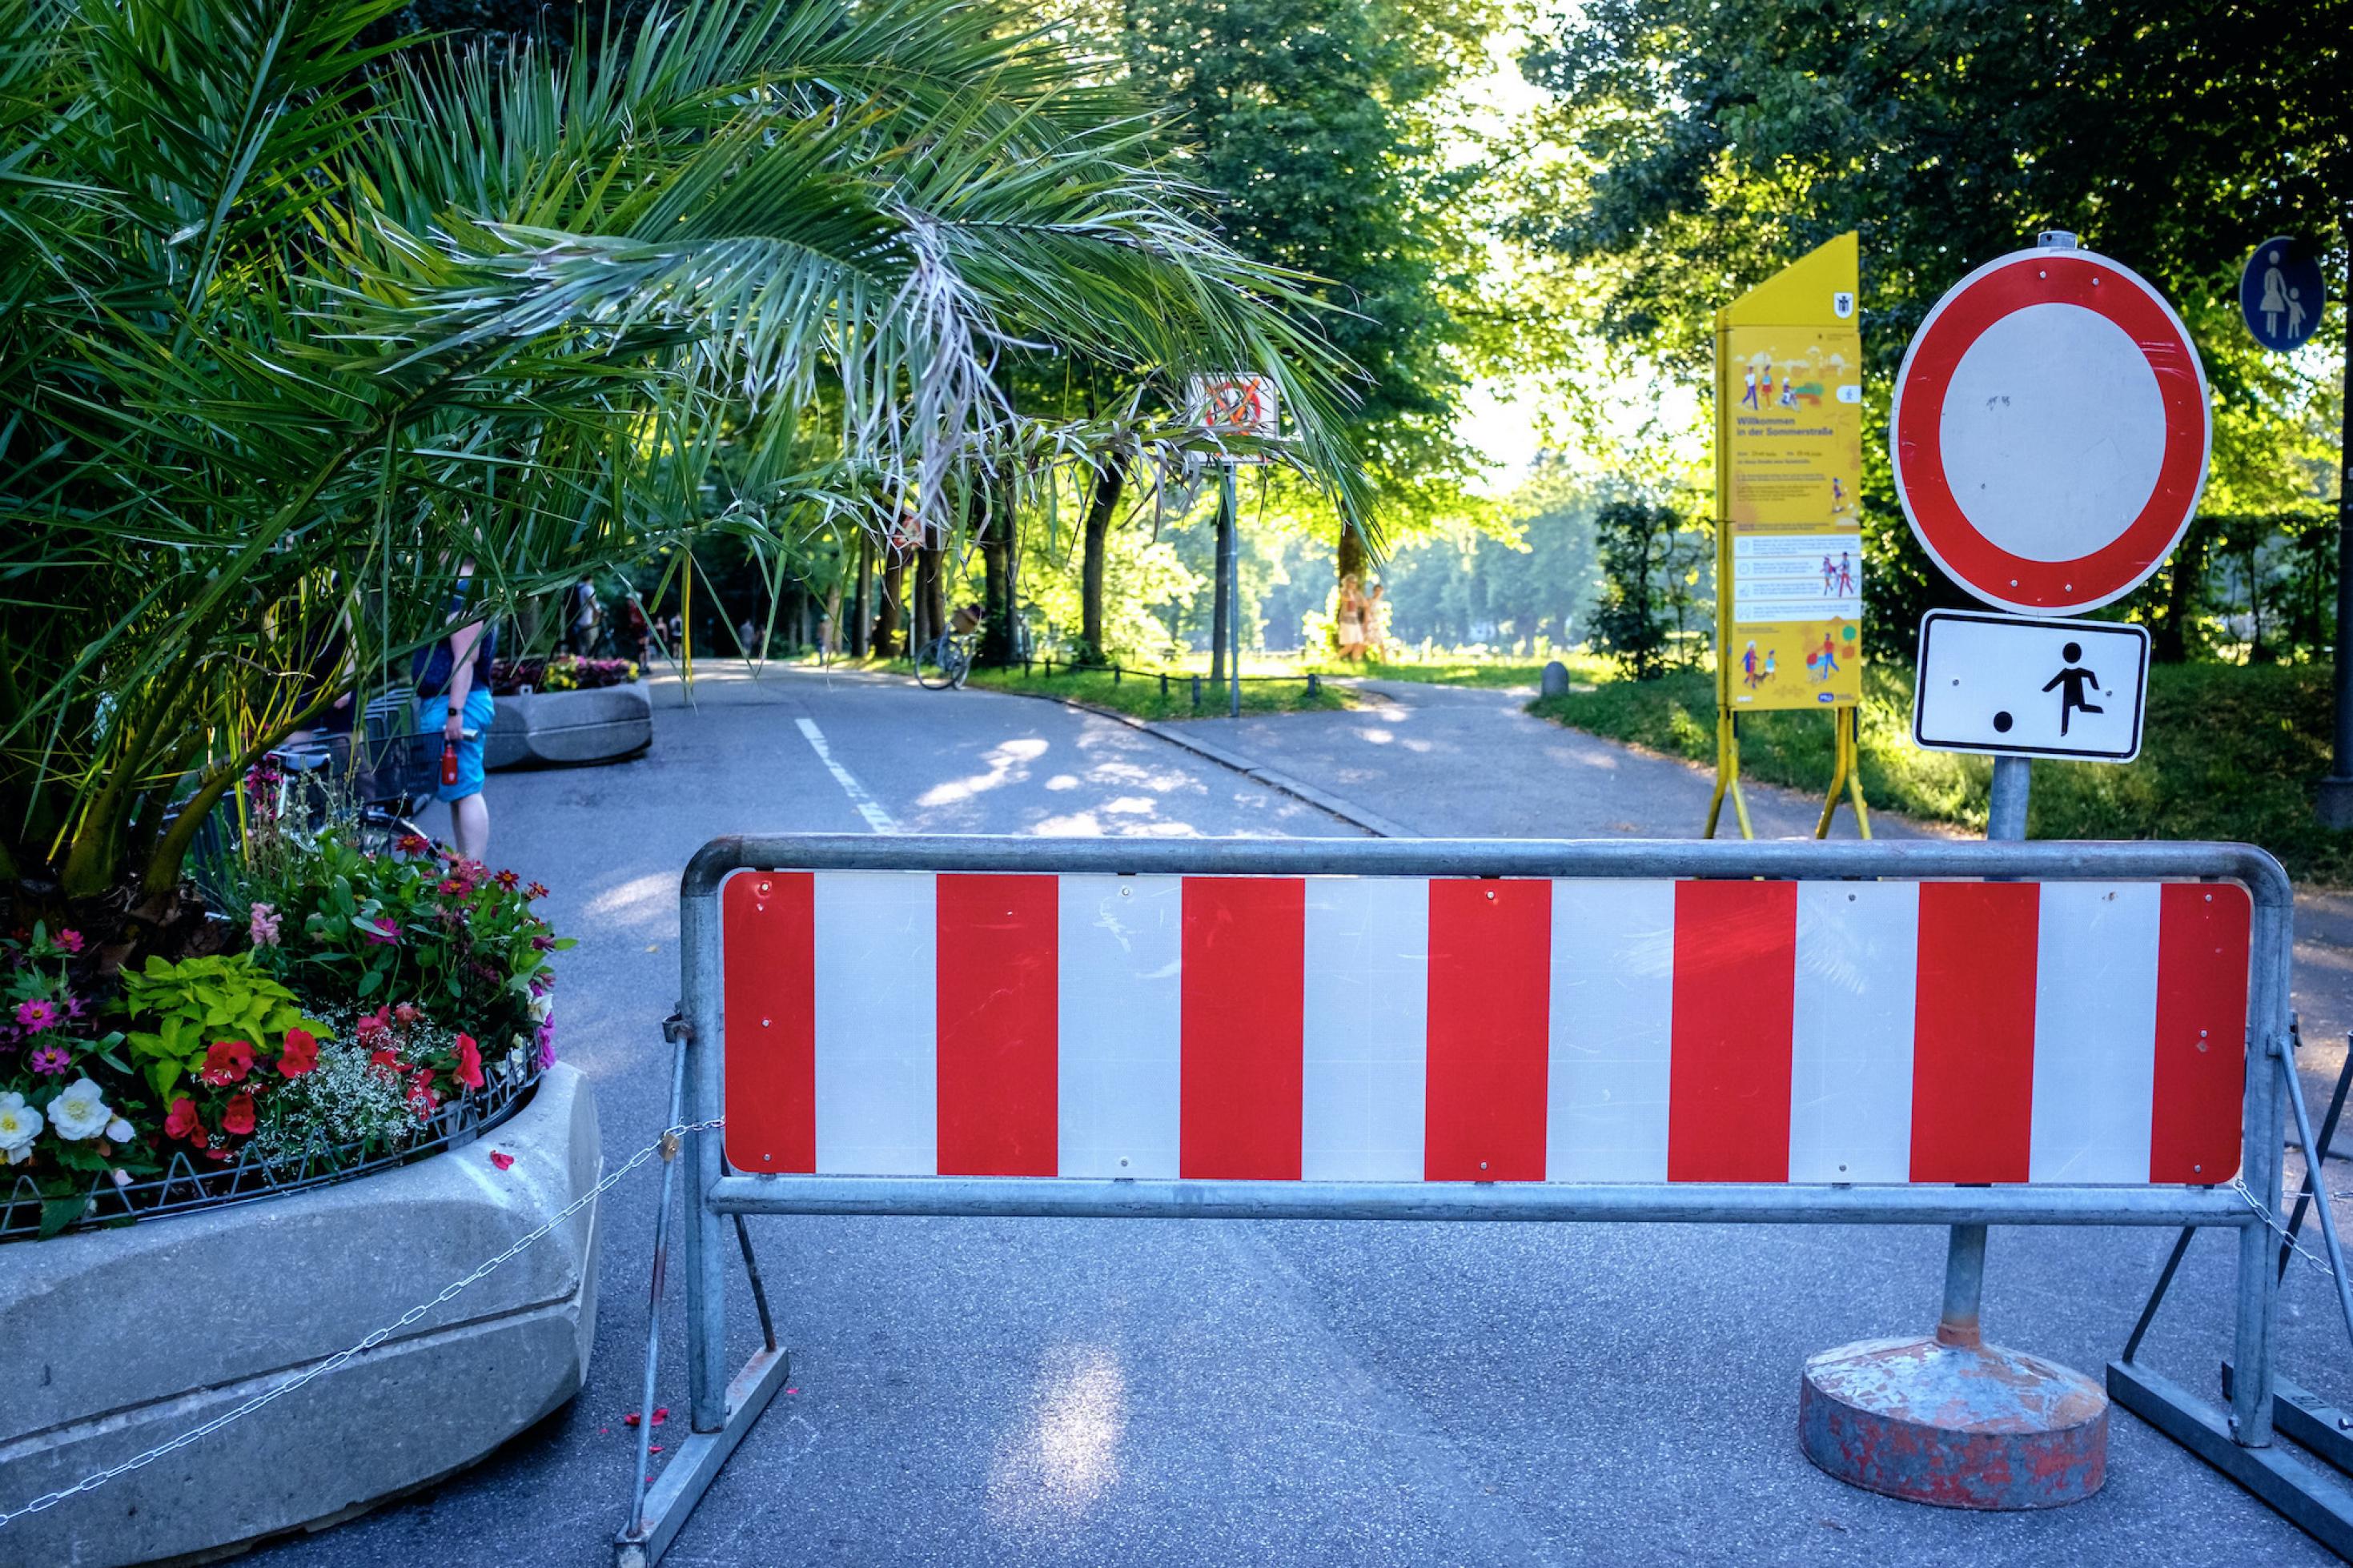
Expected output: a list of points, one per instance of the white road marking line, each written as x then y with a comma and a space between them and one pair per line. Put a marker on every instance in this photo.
868, 807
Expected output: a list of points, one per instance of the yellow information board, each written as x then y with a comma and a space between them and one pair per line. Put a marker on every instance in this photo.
1789, 463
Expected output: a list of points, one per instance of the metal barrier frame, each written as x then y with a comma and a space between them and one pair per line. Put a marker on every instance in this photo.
724, 1410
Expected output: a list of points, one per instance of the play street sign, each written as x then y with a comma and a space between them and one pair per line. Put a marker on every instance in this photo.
2028, 687
2049, 431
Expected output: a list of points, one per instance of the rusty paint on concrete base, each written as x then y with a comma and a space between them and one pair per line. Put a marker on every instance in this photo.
1955, 1424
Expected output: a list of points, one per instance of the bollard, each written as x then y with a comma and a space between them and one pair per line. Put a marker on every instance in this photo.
1164, 686
1196, 691
1315, 686
1114, 675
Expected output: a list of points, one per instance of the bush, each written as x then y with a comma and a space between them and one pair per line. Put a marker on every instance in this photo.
1649, 570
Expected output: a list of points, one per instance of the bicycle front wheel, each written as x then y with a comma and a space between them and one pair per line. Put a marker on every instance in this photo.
932, 667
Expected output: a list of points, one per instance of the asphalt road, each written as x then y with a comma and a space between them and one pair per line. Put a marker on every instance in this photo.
1189, 1393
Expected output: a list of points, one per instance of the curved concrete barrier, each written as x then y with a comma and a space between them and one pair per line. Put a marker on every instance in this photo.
601, 725
118, 1341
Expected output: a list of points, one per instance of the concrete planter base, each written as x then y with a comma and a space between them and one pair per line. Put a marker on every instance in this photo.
565, 727
118, 1341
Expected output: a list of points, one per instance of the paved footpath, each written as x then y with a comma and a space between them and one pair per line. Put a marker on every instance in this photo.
1150, 1392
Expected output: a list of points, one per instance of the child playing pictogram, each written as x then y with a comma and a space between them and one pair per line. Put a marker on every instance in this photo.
2071, 682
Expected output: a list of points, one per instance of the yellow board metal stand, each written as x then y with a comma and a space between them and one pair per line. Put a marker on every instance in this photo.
1789, 548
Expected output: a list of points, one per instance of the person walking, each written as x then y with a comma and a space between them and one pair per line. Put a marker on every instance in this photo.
453, 689
1352, 620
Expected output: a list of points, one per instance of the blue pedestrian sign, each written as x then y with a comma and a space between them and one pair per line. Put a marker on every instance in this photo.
2280, 293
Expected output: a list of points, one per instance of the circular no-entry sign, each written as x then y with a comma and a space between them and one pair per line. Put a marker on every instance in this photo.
2051, 431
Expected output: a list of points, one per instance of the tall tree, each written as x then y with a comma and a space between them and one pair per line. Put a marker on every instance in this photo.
1700, 145
1318, 122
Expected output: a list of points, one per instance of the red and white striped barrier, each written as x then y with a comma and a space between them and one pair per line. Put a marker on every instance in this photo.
1392, 1029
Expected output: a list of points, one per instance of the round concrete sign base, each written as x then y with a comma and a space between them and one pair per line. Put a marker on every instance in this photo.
1960, 1425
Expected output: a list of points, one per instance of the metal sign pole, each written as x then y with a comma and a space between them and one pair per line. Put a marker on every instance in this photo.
1229, 533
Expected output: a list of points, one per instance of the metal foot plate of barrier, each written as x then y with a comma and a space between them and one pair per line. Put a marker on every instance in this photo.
2310, 1498
2305, 1419
696, 1464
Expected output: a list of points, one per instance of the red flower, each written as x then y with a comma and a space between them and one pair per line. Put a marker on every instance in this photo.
411, 844
469, 1062
536, 891
421, 1094
456, 887
387, 1060
182, 1119
239, 1117
507, 879
301, 1054
501, 1160
227, 1062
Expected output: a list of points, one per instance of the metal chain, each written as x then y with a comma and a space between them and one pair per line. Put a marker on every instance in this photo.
2271, 1220
666, 1146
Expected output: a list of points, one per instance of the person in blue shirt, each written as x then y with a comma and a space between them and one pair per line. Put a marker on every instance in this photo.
453, 689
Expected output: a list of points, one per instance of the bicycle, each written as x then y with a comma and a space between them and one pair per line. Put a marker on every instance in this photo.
945, 661
380, 819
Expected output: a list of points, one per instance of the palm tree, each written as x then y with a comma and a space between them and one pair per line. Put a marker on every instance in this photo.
291, 323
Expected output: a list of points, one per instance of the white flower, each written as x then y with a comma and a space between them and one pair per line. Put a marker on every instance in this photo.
80, 1110
119, 1132
122, 1177
541, 1007
19, 1125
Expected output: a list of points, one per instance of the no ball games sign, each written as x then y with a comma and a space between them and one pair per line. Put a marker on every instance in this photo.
2049, 431
2049, 437
1241, 404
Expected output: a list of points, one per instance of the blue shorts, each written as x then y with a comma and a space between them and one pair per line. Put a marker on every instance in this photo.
479, 709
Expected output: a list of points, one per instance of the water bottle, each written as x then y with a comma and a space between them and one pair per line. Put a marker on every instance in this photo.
448, 763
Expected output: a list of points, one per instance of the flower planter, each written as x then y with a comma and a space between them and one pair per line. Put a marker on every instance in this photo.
600, 725
119, 1340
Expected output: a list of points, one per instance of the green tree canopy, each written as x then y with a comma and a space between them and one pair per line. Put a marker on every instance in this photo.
1316, 121
1698, 145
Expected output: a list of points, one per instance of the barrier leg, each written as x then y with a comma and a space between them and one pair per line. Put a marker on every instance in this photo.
1839, 765
719, 1417
1951, 1420
2237, 1441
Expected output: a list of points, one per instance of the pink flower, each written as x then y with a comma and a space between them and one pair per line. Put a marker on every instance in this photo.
70, 941
469, 1062
502, 1161
238, 1116
50, 1061
262, 923
406, 1013
411, 844
226, 1061
183, 1122
385, 932
37, 1014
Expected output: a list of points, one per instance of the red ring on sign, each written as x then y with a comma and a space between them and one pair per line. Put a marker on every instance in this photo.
2046, 279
